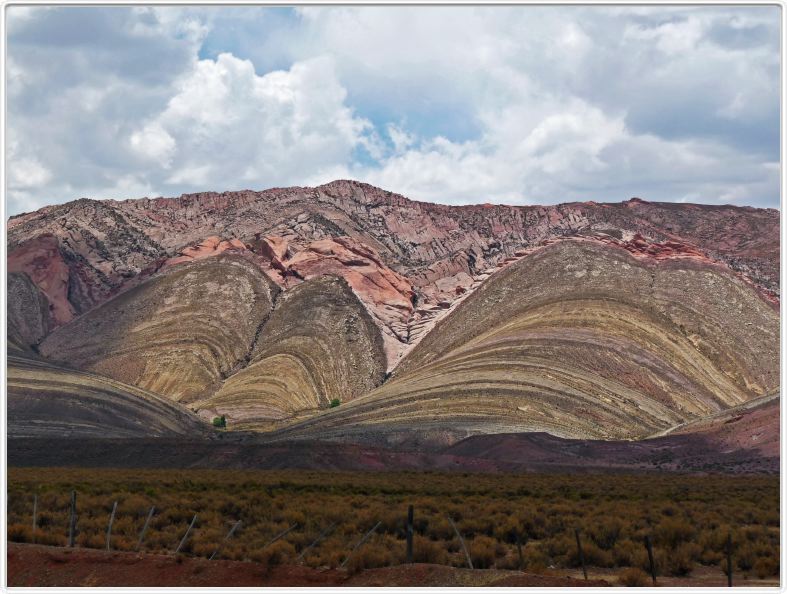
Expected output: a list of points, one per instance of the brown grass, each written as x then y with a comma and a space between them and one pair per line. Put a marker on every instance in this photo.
688, 517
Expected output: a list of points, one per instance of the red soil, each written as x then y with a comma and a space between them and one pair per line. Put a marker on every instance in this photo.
33, 565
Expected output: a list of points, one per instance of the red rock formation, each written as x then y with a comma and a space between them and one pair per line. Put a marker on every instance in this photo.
387, 295
211, 246
41, 260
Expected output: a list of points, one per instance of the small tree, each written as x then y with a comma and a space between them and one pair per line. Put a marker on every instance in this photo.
220, 422
335, 402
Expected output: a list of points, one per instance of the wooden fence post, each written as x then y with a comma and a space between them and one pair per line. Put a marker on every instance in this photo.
185, 536
729, 559
72, 522
409, 556
462, 542
145, 527
35, 512
281, 534
581, 553
322, 535
109, 528
519, 551
649, 546
359, 544
226, 538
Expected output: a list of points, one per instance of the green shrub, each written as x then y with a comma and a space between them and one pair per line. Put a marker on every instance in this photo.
335, 402
220, 421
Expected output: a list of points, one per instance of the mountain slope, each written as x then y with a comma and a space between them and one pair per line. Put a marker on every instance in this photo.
584, 320
49, 401
179, 334
580, 339
27, 313
82, 253
319, 344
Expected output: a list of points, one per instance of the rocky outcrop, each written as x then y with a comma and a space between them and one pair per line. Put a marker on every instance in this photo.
40, 260
178, 334
208, 248
386, 295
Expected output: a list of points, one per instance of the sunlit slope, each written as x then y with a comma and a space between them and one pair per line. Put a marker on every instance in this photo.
319, 344
178, 334
46, 400
579, 339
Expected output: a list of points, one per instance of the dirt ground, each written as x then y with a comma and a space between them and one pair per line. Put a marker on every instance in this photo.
34, 565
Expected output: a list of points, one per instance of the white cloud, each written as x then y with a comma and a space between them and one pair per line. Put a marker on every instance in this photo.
450, 104
225, 122
154, 142
27, 173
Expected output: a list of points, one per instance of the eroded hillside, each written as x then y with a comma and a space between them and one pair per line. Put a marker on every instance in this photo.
580, 339
319, 345
179, 334
583, 320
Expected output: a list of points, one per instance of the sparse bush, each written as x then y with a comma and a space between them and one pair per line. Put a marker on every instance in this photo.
680, 561
633, 577
484, 550
766, 567
368, 556
428, 551
672, 531
20, 533
605, 532
275, 554
535, 559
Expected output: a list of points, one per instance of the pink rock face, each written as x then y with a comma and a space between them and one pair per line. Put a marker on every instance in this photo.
41, 260
387, 294
274, 249
211, 246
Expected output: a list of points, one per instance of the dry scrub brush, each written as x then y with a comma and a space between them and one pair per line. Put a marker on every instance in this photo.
688, 517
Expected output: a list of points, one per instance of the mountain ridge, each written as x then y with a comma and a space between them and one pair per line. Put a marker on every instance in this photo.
402, 274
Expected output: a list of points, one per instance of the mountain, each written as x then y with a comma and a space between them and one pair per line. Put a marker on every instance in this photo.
319, 345
47, 401
178, 334
582, 339
82, 253
428, 323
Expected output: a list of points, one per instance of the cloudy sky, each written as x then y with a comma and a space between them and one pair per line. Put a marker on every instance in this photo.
519, 105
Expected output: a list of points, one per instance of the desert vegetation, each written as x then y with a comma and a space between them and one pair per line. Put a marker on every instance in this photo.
687, 517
